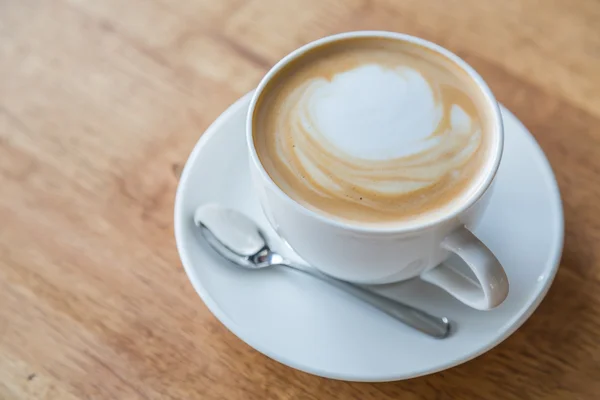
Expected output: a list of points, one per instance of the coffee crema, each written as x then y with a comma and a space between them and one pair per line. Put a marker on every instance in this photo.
372, 130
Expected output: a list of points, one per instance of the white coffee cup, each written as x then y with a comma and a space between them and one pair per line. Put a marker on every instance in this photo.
384, 254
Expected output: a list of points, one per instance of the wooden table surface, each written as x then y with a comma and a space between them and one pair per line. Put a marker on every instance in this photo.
100, 104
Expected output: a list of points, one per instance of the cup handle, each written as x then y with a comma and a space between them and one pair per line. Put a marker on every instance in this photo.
491, 287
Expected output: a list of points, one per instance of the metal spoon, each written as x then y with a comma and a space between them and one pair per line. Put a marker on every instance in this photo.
238, 239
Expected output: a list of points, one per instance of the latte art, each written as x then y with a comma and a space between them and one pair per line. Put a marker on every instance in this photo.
371, 134
342, 139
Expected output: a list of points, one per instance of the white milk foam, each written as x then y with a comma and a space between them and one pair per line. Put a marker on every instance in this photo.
373, 113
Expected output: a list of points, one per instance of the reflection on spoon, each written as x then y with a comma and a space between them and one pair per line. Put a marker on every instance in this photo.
239, 239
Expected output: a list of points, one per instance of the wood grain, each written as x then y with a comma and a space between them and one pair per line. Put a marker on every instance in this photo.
100, 104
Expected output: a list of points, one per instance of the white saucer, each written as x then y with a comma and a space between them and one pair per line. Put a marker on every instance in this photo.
308, 325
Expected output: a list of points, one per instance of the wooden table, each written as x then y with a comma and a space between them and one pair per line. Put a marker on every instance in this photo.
101, 102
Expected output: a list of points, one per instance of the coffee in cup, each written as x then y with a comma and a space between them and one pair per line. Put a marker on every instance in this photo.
373, 131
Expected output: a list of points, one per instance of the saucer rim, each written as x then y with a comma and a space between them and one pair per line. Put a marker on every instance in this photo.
243, 334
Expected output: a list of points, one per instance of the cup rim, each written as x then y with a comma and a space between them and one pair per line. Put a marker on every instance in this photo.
400, 227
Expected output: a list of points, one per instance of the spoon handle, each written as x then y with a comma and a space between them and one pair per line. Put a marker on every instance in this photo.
438, 327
